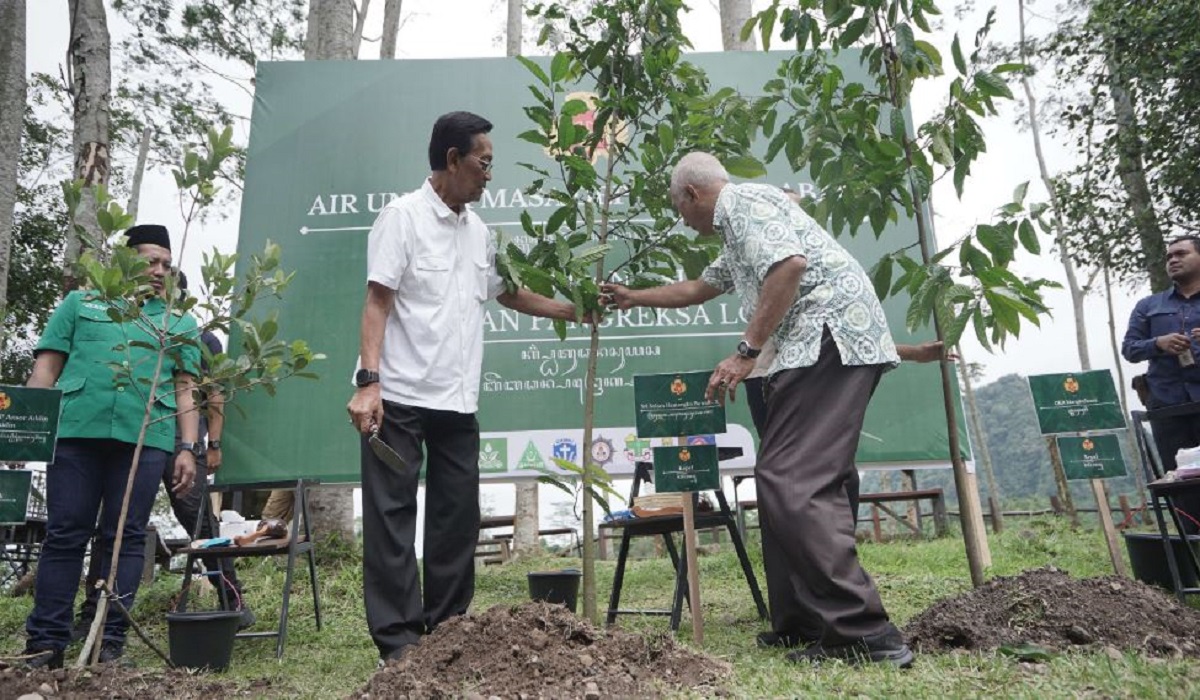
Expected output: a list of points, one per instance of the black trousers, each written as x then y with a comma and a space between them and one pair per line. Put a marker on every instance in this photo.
1171, 435
399, 608
807, 485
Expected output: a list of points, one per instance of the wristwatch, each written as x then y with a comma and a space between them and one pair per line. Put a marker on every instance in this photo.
214, 444
366, 377
746, 351
188, 446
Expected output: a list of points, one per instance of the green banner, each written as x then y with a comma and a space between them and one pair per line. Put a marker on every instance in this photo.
1091, 457
28, 423
672, 405
686, 468
14, 495
1076, 402
332, 142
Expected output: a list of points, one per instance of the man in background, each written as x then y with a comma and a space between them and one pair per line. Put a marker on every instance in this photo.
1164, 330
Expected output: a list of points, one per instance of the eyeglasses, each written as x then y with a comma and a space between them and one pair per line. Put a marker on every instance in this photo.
486, 165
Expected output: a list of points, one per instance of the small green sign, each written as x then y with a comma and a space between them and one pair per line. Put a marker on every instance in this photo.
1091, 457
670, 405
28, 423
14, 495
493, 456
686, 468
1076, 402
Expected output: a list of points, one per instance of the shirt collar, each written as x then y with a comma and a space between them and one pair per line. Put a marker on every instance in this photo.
440, 208
721, 209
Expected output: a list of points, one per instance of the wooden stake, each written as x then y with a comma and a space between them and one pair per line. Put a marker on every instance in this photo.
1106, 524
693, 569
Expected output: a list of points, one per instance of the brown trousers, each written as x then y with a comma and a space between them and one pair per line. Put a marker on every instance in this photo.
806, 482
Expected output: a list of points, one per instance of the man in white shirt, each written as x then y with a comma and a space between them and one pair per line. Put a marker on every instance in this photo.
430, 268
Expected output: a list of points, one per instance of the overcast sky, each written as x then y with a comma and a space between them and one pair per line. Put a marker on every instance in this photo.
474, 28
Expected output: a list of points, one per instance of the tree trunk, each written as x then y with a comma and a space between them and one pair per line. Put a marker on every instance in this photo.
12, 114
1132, 172
90, 87
139, 171
734, 15
330, 31
985, 456
331, 37
391, 28
359, 24
513, 29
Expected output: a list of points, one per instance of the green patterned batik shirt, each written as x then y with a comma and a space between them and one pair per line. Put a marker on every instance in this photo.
760, 226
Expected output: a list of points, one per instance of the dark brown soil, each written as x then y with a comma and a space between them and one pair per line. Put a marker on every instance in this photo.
1048, 608
536, 650
118, 683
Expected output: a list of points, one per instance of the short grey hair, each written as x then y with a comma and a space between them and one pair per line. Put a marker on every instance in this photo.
699, 169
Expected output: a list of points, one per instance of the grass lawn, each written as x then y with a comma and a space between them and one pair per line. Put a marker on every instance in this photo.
911, 575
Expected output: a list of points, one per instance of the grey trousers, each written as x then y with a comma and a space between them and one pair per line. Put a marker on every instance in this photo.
399, 608
807, 484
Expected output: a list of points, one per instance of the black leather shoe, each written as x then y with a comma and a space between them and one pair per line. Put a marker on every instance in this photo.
886, 647
43, 658
248, 618
784, 640
110, 652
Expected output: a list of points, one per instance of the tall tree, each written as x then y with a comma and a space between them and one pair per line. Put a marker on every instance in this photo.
12, 117
391, 28
331, 31
90, 84
734, 15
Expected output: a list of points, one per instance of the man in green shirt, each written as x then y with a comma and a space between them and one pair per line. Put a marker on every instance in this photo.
101, 420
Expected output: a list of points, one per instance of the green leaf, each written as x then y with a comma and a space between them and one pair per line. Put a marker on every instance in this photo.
1019, 192
535, 69
996, 242
956, 51
881, 276
557, 218
899, 129
745, 166
906, 43
1029, 237
666, 137
1026, 651
992, 85
560, 65
854, 29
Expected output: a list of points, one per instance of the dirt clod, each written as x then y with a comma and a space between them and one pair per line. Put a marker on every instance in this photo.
1048, 608
549, 653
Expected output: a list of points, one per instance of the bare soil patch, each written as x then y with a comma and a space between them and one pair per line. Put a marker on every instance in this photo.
1048, 608
537, 650
119, 683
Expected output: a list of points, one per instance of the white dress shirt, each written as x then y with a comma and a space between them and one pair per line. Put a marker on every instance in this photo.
442, 266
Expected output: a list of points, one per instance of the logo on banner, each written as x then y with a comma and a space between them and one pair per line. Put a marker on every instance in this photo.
565, 449
493, 456
531, 458
5, 401
679, 387
1071, 385
638, 449
685, 455
1088, 444
602, 451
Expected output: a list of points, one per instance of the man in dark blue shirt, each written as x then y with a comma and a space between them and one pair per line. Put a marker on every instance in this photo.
1164, 329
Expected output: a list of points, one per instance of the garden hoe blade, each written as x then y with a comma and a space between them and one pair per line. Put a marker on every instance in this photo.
386, 454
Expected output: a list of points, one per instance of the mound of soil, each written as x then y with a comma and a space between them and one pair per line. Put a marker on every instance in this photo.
117, 683
536, 650
1048, 608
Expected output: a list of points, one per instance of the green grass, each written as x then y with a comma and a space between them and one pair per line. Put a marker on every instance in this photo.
911, 575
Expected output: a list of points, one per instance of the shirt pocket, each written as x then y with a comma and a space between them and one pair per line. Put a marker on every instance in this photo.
433, 277
72, 390
163, 413
95, 325
1165, 320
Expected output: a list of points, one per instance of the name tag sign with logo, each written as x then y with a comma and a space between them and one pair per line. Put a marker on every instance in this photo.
671, 405
28, 423
686, 468
1091, 457
14, 495
1076, 402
